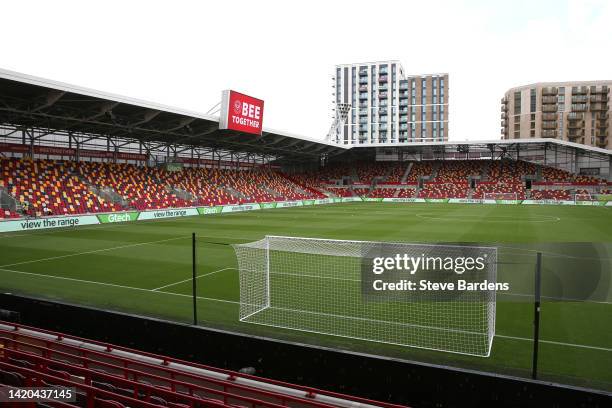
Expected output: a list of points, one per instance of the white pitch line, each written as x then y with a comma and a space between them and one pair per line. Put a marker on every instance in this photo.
187, 280
234, 302
114, 285
92, 252
558, 343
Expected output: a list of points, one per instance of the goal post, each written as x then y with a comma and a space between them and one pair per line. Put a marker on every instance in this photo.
327, 286
582, 197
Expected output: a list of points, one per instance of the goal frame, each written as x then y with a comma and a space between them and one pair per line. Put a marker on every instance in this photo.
588, 195
489, 305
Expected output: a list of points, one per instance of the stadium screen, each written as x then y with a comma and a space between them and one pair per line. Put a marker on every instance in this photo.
241, 112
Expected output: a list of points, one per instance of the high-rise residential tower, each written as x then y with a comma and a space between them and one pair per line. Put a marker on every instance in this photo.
388, 106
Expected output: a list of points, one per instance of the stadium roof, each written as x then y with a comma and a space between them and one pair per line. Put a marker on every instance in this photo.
50, 106
32, 102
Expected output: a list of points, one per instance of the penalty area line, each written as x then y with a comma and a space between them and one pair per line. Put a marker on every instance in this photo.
187, 280
114, 285
91, 252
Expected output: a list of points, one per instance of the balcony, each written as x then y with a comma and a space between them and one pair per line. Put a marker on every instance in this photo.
383, 71
504, 123
575, 124
601, 133
403, 86
579, 90
602, 116
382, 111
382, 78
504, 115
575, 115
579, 107
549, 99
549, 116
602, 143
549, 90
363, 72
599, 98
504, 107
403, 102
363, 80
363, 121
403, 119
363, 88
603, 90
580, 99
549, 133
363, 112
403, 95
363, 96
596, 107
382, 95
574, 133
549, 125
383, 103
549, 108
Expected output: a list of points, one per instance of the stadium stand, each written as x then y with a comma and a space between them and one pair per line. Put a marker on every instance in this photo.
50, 188
381, 192
47, 187
107, 376
406, 192
545, 194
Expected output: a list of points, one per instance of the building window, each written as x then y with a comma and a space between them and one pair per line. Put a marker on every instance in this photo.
517, 103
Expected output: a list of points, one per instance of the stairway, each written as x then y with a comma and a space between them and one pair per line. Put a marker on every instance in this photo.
406, 173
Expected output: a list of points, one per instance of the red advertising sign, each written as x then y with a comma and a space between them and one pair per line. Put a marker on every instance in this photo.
241, 112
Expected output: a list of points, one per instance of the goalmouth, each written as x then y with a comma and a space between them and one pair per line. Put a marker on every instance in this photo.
327, 286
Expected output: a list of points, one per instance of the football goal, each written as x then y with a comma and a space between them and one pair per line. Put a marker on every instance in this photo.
501, 196
582, 197
327, 286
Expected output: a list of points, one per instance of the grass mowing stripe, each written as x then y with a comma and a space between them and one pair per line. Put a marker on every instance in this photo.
187, 280
92, 252
114, 285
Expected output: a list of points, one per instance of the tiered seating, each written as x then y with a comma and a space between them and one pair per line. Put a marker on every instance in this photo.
505, 177
362, 192
50, 188
458, 171
340, 192
106, 376
285, 187
406, 192
8, 214
551, 195
202, 183
419, 169
367, 171
381, 192
397, 173
448, 190
138, 185
554, 175
307, 181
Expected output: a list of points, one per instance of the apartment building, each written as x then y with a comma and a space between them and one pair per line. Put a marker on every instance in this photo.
572, 111
386, 106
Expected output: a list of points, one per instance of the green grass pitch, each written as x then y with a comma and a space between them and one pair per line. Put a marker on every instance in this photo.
145, 268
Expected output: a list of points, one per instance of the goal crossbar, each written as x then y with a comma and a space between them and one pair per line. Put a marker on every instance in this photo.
317, 285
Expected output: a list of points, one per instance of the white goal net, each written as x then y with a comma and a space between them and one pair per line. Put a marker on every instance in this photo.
582, 197
327, 286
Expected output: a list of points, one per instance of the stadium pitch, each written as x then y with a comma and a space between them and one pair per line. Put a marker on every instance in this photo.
145, 268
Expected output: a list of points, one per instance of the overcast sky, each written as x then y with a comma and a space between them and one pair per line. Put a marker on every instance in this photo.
184, 53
